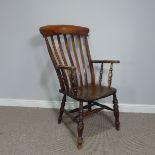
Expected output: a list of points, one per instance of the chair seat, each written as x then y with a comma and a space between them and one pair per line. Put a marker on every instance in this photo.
91, 92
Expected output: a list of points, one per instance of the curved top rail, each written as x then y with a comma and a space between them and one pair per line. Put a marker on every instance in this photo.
50, 30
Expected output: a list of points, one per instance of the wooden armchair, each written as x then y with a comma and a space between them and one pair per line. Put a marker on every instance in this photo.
69, 51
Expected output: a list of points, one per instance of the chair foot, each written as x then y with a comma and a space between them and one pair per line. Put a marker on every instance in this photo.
62, 109
117, 126
116, 112
80, 126
79, 142
79, 146
59, 120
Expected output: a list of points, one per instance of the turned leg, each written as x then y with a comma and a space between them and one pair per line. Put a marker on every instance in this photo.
116, 111
80, 126
62, 109
89, 107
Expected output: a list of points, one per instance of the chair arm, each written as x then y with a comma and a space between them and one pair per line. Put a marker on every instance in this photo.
110, 69
72, 77
105, 61
66, 67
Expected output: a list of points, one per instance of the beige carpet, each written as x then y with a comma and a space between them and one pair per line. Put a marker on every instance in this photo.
34, 131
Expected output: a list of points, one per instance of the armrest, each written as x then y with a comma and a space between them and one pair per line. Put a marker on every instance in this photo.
111, 62
66, 67
105, 61
72, 77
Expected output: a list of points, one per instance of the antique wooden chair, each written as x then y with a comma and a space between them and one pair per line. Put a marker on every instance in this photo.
69, 51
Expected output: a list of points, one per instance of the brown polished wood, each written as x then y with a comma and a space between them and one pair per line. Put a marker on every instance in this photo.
110, 75
69, 52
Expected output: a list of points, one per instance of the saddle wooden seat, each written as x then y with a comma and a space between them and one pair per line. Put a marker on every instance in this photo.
69, 52
91, 92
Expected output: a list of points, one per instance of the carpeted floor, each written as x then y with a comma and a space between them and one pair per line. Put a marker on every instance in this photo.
34, 131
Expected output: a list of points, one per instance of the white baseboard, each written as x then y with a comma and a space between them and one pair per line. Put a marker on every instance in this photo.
123, 107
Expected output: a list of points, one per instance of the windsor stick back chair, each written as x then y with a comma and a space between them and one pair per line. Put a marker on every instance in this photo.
69, 52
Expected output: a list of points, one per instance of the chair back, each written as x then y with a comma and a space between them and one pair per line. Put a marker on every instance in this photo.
68, 46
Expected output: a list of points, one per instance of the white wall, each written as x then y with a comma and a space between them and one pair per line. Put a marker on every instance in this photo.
122, 29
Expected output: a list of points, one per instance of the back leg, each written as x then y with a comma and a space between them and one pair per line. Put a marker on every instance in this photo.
89, 107
80, 126
62, 109
116, 111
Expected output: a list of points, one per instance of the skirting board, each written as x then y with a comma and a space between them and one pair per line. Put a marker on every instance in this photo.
123, 107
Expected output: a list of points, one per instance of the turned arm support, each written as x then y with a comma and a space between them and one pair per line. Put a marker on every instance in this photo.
72, 76
110, 69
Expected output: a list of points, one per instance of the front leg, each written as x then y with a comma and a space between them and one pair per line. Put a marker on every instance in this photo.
80, 126
62, 109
